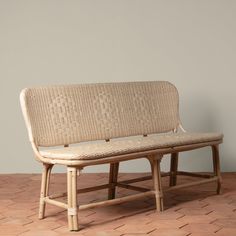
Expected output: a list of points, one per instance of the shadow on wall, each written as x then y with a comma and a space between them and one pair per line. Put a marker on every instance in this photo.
200, 115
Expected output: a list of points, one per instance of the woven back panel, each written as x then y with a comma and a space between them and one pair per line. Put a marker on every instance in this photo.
58, 115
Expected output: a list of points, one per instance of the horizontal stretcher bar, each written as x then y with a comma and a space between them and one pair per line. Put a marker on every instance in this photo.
128, 198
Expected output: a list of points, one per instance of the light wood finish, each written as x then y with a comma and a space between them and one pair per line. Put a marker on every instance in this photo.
117, 200
48, 179
156, 173
160, 185
216, 166
132, 187
56, 203
122, 184
72, 198
154, 158
44, 188
139, 179
94, 188
143, 178
204, 181
173, 168
165, 174
200, 175
69, 199
113, 175
151, 108
157, 192
83, 190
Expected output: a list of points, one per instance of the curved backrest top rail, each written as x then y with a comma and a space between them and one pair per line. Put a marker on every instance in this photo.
58, 115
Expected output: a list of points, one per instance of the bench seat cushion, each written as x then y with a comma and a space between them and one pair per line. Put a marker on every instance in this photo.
102, 149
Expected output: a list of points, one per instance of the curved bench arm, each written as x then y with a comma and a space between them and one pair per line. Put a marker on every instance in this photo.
182, 128
37, 154
179, 127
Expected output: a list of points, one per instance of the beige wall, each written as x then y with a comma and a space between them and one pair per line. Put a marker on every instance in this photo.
190, 43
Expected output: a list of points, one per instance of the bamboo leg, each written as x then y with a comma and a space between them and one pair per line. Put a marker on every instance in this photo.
159, 182
216, 166
69, 198
72, 198
44, 188
113, 175
173, 168
48, 179
156, 173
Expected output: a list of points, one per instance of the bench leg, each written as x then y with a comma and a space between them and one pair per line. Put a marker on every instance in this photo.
44, 188
113, 175
173, 168
216, 166
156, 175
72, 198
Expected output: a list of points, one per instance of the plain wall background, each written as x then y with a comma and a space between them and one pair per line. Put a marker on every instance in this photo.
189, 43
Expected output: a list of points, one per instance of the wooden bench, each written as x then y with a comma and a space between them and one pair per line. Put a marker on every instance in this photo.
110, 123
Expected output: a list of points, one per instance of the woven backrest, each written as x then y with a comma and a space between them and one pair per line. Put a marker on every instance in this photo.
58, 115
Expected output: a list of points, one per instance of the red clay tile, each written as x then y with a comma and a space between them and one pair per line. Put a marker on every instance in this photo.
203, 234
193, 211
201, 228
167, 224
165, 215
16, 221
136, 228
102, 233
168, 232
197, 219
226, 222
12, 229
36, 232
226, 232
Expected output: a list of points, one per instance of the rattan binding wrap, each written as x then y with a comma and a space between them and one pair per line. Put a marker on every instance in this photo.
58, 115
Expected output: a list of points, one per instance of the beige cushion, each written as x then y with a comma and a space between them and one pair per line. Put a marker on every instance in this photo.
102, 149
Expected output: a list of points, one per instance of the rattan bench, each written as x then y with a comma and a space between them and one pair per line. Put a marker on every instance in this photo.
110, 123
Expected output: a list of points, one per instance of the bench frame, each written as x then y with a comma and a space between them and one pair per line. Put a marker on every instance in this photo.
154, 157
153, 108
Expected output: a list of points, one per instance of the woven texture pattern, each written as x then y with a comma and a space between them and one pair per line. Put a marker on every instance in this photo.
59, 115
90, 151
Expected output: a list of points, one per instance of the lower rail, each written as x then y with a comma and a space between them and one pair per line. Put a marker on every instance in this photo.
195, 183
116, 201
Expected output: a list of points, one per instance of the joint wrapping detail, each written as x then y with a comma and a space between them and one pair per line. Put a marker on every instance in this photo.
71, 169
72, 211
159, 194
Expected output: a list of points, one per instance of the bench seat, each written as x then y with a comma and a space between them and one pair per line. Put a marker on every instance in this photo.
101, 149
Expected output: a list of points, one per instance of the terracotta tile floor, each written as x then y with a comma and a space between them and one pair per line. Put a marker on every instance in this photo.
195, 211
